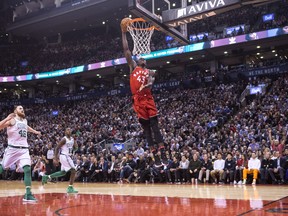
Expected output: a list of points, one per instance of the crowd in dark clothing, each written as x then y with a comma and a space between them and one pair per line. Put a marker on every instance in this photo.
209, 137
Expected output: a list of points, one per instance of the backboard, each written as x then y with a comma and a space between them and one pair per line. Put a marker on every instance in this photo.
173, 21
137, 8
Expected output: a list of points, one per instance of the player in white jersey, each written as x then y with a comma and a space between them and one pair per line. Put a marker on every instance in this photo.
17, 150
63, 151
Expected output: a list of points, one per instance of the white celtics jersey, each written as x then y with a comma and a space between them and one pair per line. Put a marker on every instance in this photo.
67, 148
17, 133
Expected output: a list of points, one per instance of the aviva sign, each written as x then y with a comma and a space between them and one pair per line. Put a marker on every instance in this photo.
180, 16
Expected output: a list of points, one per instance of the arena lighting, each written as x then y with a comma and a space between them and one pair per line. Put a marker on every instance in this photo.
258, 53
17, 84
276, 54
225, 52
258, 47
158, 9
191, 58
273, 51
103, 22
168, 62
262, 57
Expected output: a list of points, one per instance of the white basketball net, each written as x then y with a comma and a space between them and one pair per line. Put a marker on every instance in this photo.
141, 32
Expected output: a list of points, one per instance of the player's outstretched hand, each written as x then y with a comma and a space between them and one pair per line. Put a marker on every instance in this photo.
38, 133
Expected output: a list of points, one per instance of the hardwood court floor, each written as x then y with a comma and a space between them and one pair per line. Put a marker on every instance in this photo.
142, 199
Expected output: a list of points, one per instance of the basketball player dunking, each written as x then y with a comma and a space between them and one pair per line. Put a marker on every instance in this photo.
63, 151
17, 150
141, 81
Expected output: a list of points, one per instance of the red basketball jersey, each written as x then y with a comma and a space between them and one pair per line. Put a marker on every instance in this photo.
138, 77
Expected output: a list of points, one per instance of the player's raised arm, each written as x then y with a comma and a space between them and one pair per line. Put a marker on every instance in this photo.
31, 130
7, 121
127, 52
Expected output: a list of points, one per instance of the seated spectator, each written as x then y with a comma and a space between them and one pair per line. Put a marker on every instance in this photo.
254, 146
241, 163
278, 165
103, 169
229, 168
206, 167
127, 167
183, 169
38, 170
93, 169
218, 169
85, 169
112, 174
139, 170
266, 166
194, 168
254, 165
173, 169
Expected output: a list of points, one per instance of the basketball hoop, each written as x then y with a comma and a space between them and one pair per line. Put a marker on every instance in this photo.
141, 32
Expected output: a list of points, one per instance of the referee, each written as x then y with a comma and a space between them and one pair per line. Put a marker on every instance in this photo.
48, 157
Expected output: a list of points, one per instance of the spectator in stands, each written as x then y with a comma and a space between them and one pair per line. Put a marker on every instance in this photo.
206, 168
111, 169
241, 163
254, 165
218, 169
128, 167
266, 165
85, 169
275, 144
278, 165
183, 169
229, 168
194, 168
173, 169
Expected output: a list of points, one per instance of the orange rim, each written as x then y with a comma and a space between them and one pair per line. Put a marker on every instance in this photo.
141, 29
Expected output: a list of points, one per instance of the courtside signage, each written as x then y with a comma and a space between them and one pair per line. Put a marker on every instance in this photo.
176, 17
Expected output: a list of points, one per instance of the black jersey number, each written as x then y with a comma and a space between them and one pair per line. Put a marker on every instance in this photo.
23, 133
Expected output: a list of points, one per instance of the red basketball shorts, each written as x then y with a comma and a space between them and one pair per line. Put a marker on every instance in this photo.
144, 106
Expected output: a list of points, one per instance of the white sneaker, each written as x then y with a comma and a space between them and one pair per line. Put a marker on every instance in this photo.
244, 181
235, 182
254, 182
240, 183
